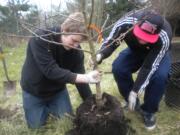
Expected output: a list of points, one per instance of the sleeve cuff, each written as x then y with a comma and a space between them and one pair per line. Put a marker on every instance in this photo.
73, 78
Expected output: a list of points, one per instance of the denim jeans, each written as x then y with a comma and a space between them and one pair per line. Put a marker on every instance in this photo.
129, 62
37, 109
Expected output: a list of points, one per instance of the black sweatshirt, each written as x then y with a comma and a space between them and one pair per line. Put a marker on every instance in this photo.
153, 53
48, 67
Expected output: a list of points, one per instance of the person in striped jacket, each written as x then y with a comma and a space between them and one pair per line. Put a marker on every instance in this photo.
148, 41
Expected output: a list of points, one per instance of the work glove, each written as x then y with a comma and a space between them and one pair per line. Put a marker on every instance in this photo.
93, 76
98, 60
132, 100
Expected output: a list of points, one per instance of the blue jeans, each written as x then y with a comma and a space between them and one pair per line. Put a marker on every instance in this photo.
129, 62
37, 109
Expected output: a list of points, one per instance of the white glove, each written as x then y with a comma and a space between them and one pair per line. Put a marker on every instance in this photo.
99, 58
132, 100
93, 76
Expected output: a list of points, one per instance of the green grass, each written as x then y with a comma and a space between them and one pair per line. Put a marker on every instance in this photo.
168, 119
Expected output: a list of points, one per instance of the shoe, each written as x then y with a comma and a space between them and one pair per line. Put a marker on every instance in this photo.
149, 120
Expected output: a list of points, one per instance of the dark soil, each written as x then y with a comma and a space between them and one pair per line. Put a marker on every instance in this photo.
107, 120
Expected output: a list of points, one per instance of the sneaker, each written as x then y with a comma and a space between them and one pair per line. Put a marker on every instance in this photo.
149, 120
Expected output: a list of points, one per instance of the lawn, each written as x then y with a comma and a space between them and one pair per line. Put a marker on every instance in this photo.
11, 113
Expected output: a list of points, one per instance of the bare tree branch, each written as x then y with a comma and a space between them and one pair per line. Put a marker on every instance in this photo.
65, 33
92, 11
53, 42
105, 22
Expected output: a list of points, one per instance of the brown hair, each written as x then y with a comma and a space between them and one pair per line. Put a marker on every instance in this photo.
75, 23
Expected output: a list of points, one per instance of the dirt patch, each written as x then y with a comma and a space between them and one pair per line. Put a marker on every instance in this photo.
5, 113
107, 120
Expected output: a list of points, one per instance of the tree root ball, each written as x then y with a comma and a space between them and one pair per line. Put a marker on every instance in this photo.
108, 119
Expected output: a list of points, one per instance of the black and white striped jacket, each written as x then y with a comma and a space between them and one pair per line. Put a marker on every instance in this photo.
153, 53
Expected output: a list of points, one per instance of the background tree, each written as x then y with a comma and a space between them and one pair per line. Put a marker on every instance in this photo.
117, 8
171, 10
16, 8
11, 15
33, 15
13, 12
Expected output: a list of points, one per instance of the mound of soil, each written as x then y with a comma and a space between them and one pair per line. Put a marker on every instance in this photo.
107, 120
